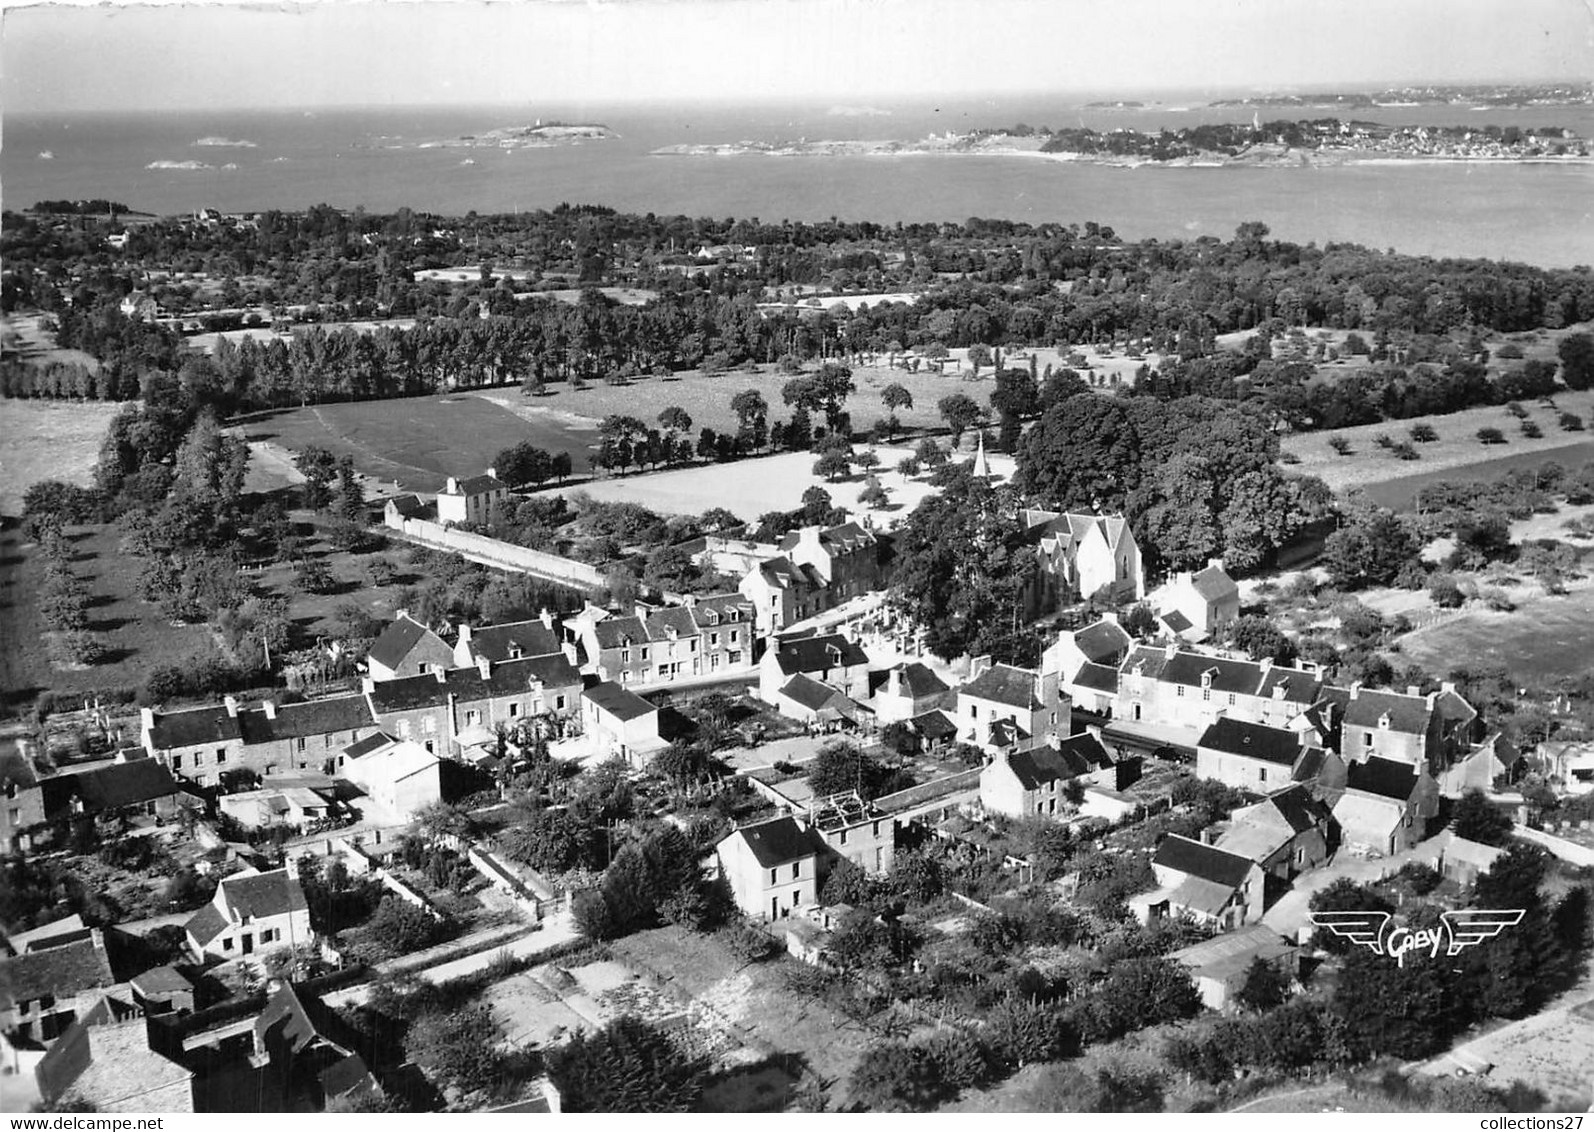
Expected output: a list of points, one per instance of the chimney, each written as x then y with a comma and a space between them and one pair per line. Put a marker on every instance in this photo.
1171, 649
1215, 563
1278, 690
569, 648
402, 615
1432, 698
269, 708
1110, 615
1413, 690
1447, 686
484, 666
1265, 665
1094, 731
894, 684
441, 674
1355, 689
146, 719
452, 487
546, 618
367, 685
232, 705
492, 473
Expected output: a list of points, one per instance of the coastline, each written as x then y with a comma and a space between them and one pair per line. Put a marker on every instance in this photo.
1257, 157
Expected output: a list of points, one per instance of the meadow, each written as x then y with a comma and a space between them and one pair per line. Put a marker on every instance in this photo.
40, 440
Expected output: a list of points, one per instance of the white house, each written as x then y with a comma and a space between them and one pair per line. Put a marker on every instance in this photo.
1200, 603
251, 911
400, 775
772, 867
620, 722
1083, 557
478, 499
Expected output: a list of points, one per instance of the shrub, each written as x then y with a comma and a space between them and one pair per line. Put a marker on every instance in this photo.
1516, 410
1340, 445
77, 646
750, 943
1531, 430
1383, 440
1423, 433
1445, 593
1491, 435
1403, 451
1570, 422
1510, 351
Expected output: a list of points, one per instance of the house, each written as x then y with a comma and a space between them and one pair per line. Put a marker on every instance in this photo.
817, 569
1248, 756
816, 704
452, 710
1209, 884
1086, 661
405, 647
163, 990
201, 745
1491, 766
1033, 782
854, 830
309, 1050
1221, 965
1386, 805
57, 979
401, 508
1287, 832
140, 306
478, 500
399, 775
21, 799
831, 659
1207, 599
1182, 688
138, 786
661, 645
907, 690
1082, 558
934, 730
294, 807
1459, 859
725, 628
1006, 708
620, 722
1569, 765
509, 641
251, 911
1382, 724
772, 867
107, 1062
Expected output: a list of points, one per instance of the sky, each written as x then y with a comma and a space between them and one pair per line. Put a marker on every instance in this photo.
457, 52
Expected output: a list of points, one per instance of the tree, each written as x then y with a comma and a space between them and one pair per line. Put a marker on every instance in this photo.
1081, 454
1265, 987
1369, 550
978, 356
1490, 435
675, 420
752, 415
319, 468
1344, 895
842, 766
896, 1077
550, 840
960, 412
833, 464
1408, 1011
628, 1066
1259, 638
350, 505
398, 927
458, 1048
823, 391
1476, 819
1423, 433
1015, 399
896, 396
1576, 352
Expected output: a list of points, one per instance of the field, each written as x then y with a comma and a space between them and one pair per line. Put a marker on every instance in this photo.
42, 440
419, 442
26, 334
749, 488
138, 637
1543, 639
1456, 455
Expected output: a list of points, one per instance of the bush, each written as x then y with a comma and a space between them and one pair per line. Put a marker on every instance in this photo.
1445, 593
1531, 430
1384, 440
1423, 433
77, 647
1403, 451
749, 942
1490, 435
1570, 422
1515, 409
458, 1048
1340, 445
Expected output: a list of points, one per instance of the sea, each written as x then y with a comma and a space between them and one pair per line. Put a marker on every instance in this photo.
375, 158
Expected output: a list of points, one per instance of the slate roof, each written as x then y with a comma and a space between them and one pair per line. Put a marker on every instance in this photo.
410, 693
263, 894
1407, 714
619, 632
619, 702
918, 681
479, 485
1300, 687
497, 642
780, 573
206, 924
61, 971
1386, 778
313, 717
1105, 642
1205, 861
375, 741
194, 727
407, 506
1357, 813
1236, 737
1454, 707
808, 692
1201, 895
1177, 621
101, 1054
717, 609
1299, 808
158, 981
841, 540
395, 642
778, 842
407, 693
1076, 755
1189, 668
933, 725
1232, 953
1096, 677
675, 617
111, 787
1311, 764
1004, 684
816, 654
1214, 584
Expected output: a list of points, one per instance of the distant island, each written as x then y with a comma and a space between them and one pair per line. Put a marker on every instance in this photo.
1322, 141
1505, 97
539, 136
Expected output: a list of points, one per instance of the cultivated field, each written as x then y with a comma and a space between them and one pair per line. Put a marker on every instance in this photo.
1457, 453
418, 441
1543, 639
48, 440
749, 488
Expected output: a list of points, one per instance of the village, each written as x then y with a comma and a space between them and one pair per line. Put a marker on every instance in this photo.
827, 775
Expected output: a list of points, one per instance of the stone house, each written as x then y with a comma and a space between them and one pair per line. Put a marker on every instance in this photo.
479, 500
407, 648
1003, 708
773, 868
251, 911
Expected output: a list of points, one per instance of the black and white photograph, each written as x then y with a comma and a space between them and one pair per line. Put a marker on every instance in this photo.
797, 556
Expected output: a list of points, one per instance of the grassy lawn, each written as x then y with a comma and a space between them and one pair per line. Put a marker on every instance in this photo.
754, 997
417, 441
1456, 455
48, 440
138, 637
